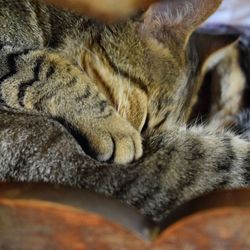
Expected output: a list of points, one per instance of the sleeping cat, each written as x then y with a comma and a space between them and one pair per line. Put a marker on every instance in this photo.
105, 82
109, 84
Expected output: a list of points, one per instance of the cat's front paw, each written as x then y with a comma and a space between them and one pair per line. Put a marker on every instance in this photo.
114, 139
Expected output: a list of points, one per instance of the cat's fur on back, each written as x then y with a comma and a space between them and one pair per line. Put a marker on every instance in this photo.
108, 83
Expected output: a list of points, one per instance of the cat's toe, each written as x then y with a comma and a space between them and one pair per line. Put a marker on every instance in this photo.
99, 145
113, 140
118, 146
127, 148
127, 142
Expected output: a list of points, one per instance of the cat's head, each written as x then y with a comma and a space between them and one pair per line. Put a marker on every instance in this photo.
155, 51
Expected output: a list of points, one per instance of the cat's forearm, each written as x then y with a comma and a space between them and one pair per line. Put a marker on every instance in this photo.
42, 81
46, 83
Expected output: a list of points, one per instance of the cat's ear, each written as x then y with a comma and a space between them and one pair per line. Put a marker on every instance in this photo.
176, 19
211, 48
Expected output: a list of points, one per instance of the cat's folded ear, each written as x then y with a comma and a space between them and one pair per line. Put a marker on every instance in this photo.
176, 19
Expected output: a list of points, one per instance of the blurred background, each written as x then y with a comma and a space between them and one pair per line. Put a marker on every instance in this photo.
233, 12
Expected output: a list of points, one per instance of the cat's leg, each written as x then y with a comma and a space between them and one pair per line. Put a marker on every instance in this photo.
46, 83
189, 163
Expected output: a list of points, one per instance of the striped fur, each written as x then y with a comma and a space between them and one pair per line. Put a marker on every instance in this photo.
102, 81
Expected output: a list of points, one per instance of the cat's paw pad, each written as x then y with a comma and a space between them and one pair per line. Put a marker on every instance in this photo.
115, 139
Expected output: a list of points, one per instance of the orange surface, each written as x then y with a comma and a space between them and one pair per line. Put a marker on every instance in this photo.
31, 224
107, 10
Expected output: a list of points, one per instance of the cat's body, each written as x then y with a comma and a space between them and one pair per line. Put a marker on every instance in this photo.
83, 73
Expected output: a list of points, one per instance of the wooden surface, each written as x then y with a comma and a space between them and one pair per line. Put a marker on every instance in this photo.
224, 229
29, 219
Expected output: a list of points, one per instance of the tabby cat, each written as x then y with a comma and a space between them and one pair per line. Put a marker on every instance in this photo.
110, 85
105, 82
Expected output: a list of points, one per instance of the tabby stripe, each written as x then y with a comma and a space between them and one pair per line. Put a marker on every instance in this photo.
71, 83
50, 72
123, 73
104, 85
188, 179
24, 85
102, 105
148, 194
11, 63
85, 95
106, 115
39, 104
